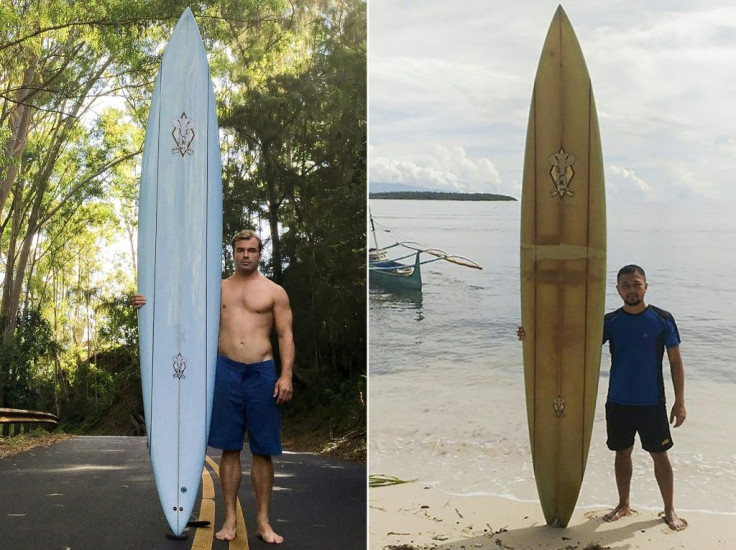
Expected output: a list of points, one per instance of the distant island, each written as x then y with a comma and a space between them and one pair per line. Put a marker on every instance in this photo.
439, 196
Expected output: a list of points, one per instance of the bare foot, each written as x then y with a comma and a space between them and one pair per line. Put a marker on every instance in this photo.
674, 522
617, 513
228, 532
266, 534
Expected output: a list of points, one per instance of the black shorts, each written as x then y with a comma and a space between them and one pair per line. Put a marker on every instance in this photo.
623, 421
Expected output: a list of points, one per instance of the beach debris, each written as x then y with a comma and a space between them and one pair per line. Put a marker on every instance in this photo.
382, 480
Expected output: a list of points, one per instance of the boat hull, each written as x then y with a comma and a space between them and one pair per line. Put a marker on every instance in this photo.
393, 274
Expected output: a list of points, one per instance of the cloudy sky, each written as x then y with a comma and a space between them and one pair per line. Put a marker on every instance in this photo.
450, 85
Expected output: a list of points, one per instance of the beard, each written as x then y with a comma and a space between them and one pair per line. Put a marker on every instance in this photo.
633, 300
247, 269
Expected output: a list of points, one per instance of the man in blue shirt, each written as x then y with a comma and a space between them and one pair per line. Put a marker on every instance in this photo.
638, 334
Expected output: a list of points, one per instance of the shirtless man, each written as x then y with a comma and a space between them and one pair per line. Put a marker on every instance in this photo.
246, 386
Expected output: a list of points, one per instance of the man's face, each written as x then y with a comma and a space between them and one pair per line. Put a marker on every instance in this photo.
246, 255
631, 287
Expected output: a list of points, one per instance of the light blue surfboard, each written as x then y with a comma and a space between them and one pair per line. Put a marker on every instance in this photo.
179, 269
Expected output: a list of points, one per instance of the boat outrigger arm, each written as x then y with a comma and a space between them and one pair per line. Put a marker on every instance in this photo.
436, 252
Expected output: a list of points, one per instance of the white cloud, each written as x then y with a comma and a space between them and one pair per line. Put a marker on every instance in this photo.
445, 169
625, 184
460, 75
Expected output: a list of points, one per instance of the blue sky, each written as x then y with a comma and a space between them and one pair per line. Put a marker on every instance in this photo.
450, 85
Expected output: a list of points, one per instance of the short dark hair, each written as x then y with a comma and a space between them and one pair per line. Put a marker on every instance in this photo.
631, 269
244, 235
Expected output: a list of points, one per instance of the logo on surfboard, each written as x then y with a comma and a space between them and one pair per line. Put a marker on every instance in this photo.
562, 172
180, 365
559, 406
183, 135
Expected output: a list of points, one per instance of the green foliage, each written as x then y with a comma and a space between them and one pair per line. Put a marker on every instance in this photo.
21, 358
119, 327
333, 401
296, 171
96, 383
76, 78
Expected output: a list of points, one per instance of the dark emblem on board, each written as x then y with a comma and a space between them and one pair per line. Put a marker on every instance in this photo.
180, 365
562, 172
183, 134
559, 406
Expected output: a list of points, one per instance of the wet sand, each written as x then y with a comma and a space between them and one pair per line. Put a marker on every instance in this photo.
417, 516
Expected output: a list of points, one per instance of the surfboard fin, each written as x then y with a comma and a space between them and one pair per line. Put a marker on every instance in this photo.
198, 523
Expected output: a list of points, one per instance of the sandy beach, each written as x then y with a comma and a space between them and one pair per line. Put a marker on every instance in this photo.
474, 488
417, 516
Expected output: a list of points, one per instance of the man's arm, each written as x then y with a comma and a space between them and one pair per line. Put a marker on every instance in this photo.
282, 318
677, 370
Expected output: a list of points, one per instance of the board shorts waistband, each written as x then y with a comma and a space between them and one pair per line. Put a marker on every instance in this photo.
232, 363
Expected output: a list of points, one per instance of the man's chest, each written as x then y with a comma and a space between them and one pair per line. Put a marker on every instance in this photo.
636, 333
238, 303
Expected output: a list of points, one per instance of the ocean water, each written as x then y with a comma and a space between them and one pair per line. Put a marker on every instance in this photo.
446, 391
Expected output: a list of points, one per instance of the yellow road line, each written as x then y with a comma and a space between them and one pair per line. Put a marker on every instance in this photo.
241, 541
212, 463
208, 487
203, 536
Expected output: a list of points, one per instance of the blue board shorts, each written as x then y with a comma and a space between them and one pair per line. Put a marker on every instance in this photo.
244, 397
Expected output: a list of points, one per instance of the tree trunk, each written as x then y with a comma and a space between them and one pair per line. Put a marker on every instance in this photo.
269, 172
11, 257
14, 282
19, 121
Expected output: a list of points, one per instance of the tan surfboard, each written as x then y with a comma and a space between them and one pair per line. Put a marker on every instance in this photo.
563, 269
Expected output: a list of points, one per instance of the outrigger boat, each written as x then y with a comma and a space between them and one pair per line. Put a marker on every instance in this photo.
392, 273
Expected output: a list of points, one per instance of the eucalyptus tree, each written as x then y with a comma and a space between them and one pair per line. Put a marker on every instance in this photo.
75, 83
59, 63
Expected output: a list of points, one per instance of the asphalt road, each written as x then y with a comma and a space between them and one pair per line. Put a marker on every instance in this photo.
98, 493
